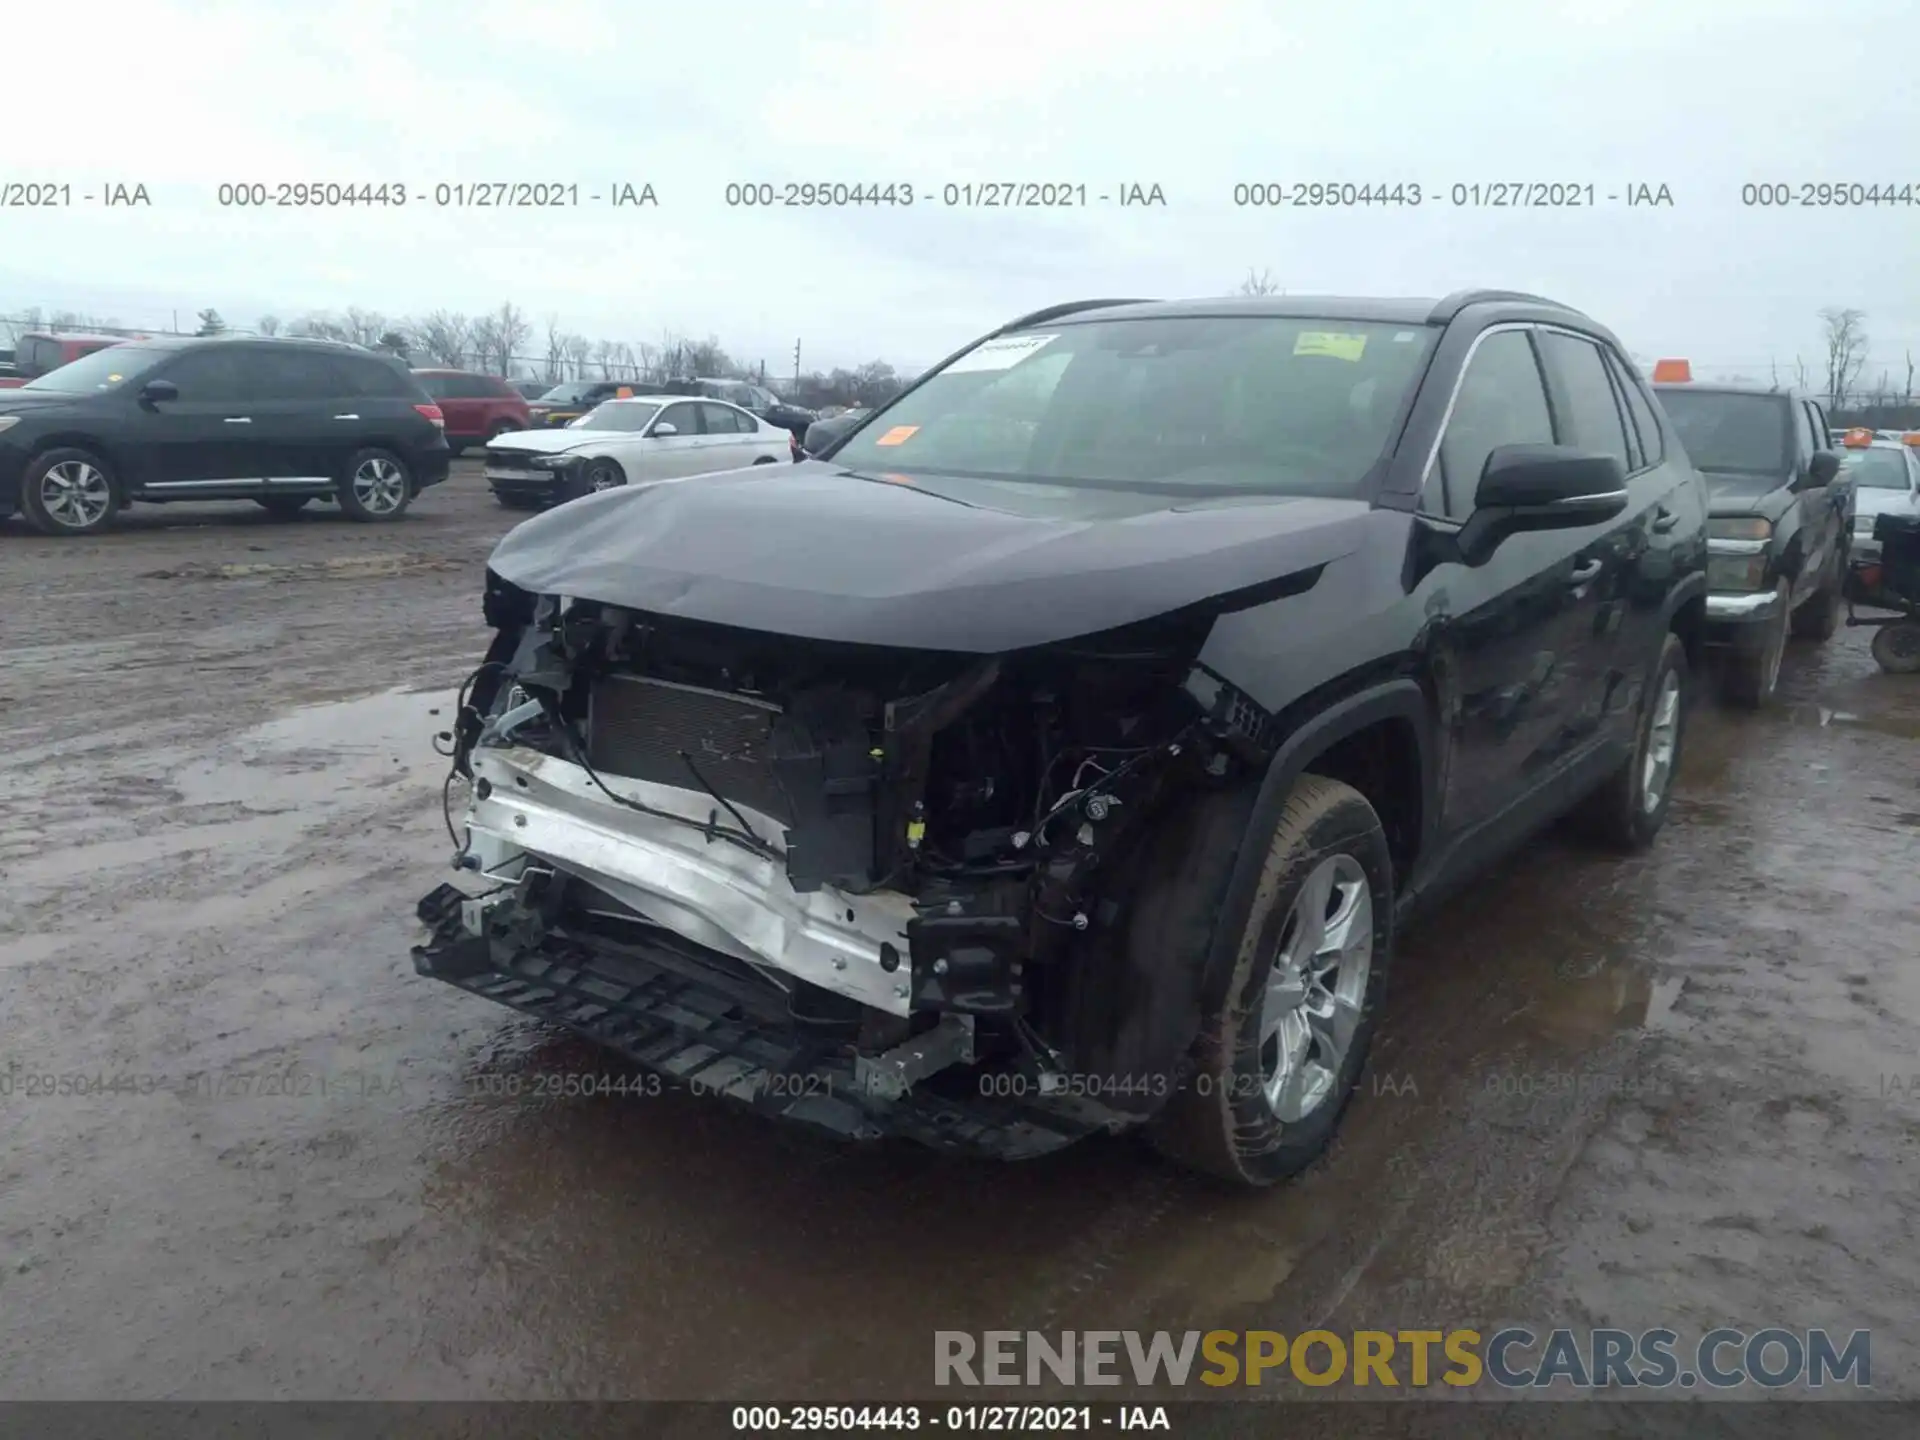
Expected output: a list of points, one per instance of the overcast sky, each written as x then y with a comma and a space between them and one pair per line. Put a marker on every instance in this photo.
1703, 97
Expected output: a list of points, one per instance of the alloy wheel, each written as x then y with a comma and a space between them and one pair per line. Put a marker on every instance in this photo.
75, 494
1663, 739
1316, 989
380, 485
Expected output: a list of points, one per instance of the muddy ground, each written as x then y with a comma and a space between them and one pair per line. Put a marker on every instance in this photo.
1681, 1089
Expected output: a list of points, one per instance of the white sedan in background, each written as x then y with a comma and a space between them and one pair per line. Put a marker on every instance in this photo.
1886, 478
641, 441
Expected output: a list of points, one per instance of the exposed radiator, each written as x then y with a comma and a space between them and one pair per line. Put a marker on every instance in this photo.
639, 728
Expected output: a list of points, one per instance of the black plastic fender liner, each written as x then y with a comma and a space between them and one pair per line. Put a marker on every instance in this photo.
1394, 700
1689, 587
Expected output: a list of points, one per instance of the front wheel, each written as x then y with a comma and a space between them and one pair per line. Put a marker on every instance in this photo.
1896, 647
1751, 675
69, 492
597, 476
1276, 1066
1819, 617
375, 486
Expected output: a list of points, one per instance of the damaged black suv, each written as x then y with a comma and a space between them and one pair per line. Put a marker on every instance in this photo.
1061, 751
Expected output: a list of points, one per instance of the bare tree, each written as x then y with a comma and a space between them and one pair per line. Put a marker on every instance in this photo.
363, 327
556, 348
25, 323
444, 337
268, 324
486, 342
1845, 333
211, 323
579, 351
510, 333
1801, 380
1260, 283
1907, 394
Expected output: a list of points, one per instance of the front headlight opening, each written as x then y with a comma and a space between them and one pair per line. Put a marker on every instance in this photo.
1740, 573
1740, 527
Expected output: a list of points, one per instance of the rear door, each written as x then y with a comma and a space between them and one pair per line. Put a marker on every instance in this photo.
1620, 605
732, 437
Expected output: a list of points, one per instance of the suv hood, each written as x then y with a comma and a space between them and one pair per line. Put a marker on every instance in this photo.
1735, 494
13, 402
825, 553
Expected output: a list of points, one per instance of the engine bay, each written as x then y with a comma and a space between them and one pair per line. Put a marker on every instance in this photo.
908, 838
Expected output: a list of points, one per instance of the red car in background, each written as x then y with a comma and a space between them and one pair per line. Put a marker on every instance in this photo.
36, 353
479, 408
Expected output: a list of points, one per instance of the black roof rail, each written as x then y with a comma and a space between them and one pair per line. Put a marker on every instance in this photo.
1446, 309
1056, 312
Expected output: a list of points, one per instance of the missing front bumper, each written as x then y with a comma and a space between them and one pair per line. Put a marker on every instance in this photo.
713, 1038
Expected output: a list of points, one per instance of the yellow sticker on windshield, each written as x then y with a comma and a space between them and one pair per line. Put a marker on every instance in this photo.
898, 435
1331, 344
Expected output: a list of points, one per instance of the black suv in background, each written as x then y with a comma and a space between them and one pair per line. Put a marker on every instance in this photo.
278, 422
1781, 523
1202, 644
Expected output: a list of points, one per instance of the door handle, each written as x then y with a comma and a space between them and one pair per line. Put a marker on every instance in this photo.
1584, 573
1664, 520
239, 420
346, 417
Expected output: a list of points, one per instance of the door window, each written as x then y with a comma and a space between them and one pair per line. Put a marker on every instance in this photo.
1502, 401
1653, 446
721, 419
213, 376
1591, 418
274, 374
684, 419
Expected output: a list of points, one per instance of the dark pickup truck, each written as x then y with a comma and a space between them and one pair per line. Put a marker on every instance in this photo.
1780, 523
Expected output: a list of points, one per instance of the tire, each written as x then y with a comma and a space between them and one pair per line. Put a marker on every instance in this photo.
375, 486
597, 475
1628, 811
1327, 850
1819, 615
1896, 647
504, 427
285, 507
69, 492
1749, 678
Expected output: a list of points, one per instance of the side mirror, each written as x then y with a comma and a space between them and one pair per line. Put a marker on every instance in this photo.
664, 428
1821, 471
1540, 487
155, 391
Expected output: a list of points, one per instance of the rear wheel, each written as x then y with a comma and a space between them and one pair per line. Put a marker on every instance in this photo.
504, 427
1819, 616
1628, 811
1896, 647
68, 492
1277, 1065
1751, 676
283, 506
375, 486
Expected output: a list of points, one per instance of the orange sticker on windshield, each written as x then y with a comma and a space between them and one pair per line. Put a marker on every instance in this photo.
898, 435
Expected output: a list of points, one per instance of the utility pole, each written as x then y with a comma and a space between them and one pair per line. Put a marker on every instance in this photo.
796, 364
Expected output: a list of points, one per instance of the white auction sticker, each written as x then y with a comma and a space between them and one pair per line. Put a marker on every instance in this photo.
1002, 354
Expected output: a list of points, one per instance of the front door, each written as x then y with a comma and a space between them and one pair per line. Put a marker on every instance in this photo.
1515, 639
668, 457
209, 435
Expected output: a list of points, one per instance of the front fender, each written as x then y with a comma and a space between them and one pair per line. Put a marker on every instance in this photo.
1401, 700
